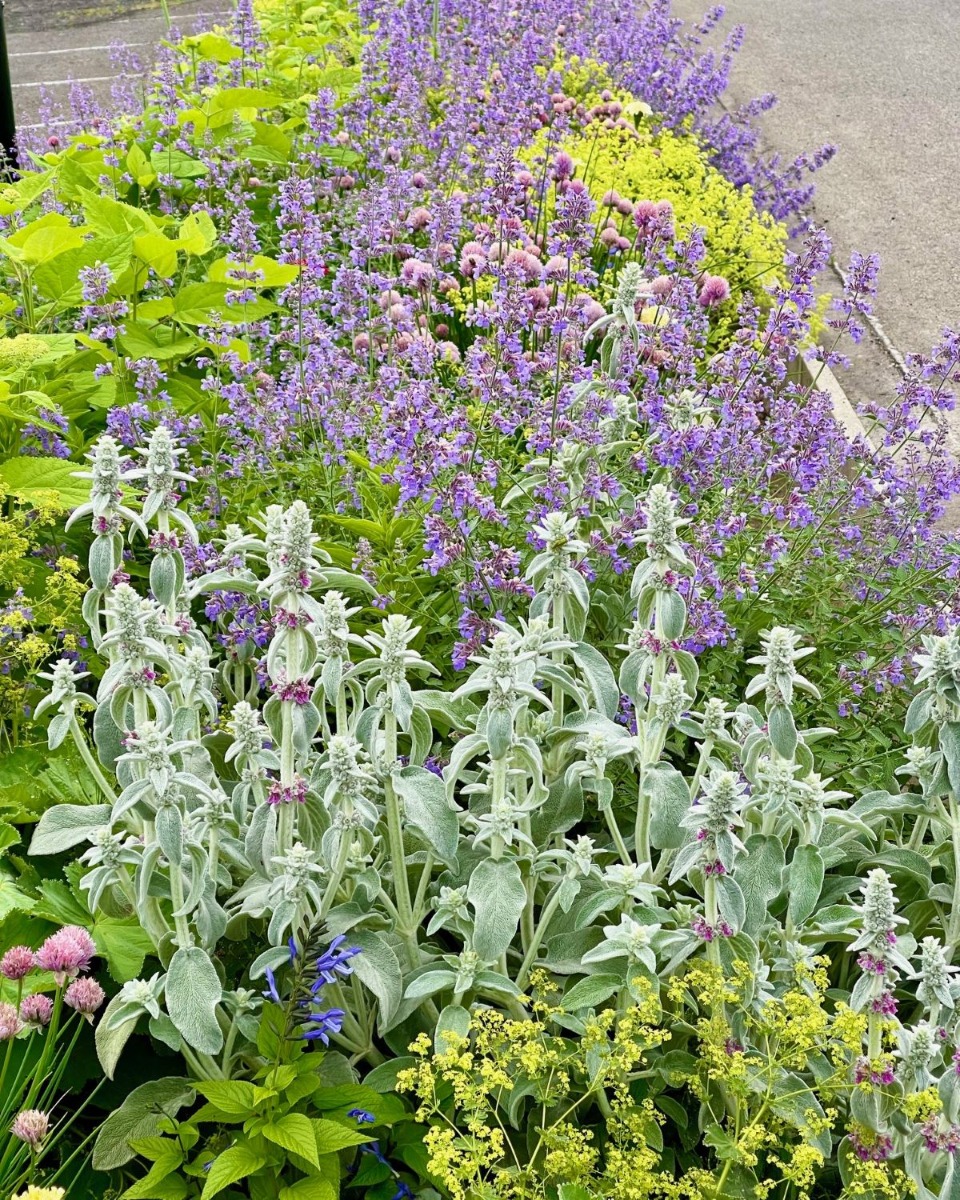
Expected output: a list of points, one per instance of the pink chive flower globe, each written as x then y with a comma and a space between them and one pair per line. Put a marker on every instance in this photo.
10, 1024
17, 962
85, 995
713, 290
30, 1126
66, 953
36, 1011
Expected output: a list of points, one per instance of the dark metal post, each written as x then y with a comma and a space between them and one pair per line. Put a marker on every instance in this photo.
8, 120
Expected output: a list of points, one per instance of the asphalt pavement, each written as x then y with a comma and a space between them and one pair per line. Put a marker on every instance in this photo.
880, 80
54, 43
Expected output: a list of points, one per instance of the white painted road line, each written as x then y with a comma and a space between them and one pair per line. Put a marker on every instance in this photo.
76, 49
66, 82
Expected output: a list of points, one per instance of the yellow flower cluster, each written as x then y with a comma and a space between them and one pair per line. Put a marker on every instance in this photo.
877, 1181
51, 603
920, 1106
40, 1193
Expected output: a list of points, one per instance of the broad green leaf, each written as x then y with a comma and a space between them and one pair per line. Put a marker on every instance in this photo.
231, 1166
114, 218
47, 481
198, 234
239, 98
273, 274
12, 899
139, 166
294, 1132
47, 244
331, 1136
157, 252
314, 1187
124, 945
60, 280
589, 992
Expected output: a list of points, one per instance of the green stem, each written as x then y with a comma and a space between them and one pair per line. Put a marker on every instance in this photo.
89, 761
530, 957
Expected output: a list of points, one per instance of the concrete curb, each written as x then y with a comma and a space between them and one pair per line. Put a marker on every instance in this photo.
819, 377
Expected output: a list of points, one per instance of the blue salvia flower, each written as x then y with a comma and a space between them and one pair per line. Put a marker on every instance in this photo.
271, 993
334, 962
325, 1024
361, 1116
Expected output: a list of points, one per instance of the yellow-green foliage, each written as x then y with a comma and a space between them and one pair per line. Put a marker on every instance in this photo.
39, 608
743, 245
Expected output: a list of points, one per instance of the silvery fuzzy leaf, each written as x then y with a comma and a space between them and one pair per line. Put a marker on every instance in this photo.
57, 730
330, 677
273, 719
91, 613
162, 1029
760, 876
634, 674
592, 991
427, 809
378, 969
169, 831
200, 878
454, 1019
147, 875
259, 842
140, 1115
368, 729
599, 678
106, 554
950, 745
686, 665
114, 1030
918, 714
497, 895
804, 883
548, 672
166, 578
428, 983
782, 730
210, 919
561, 810
272, 958
193, 991
306, 722
282, 917
731, 902
401, 698
421, 735
575, 612
672, 612
569, 890
669, 801
67, 825
686, 860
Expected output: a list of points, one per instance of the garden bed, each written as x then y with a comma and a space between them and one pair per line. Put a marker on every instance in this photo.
481, 717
